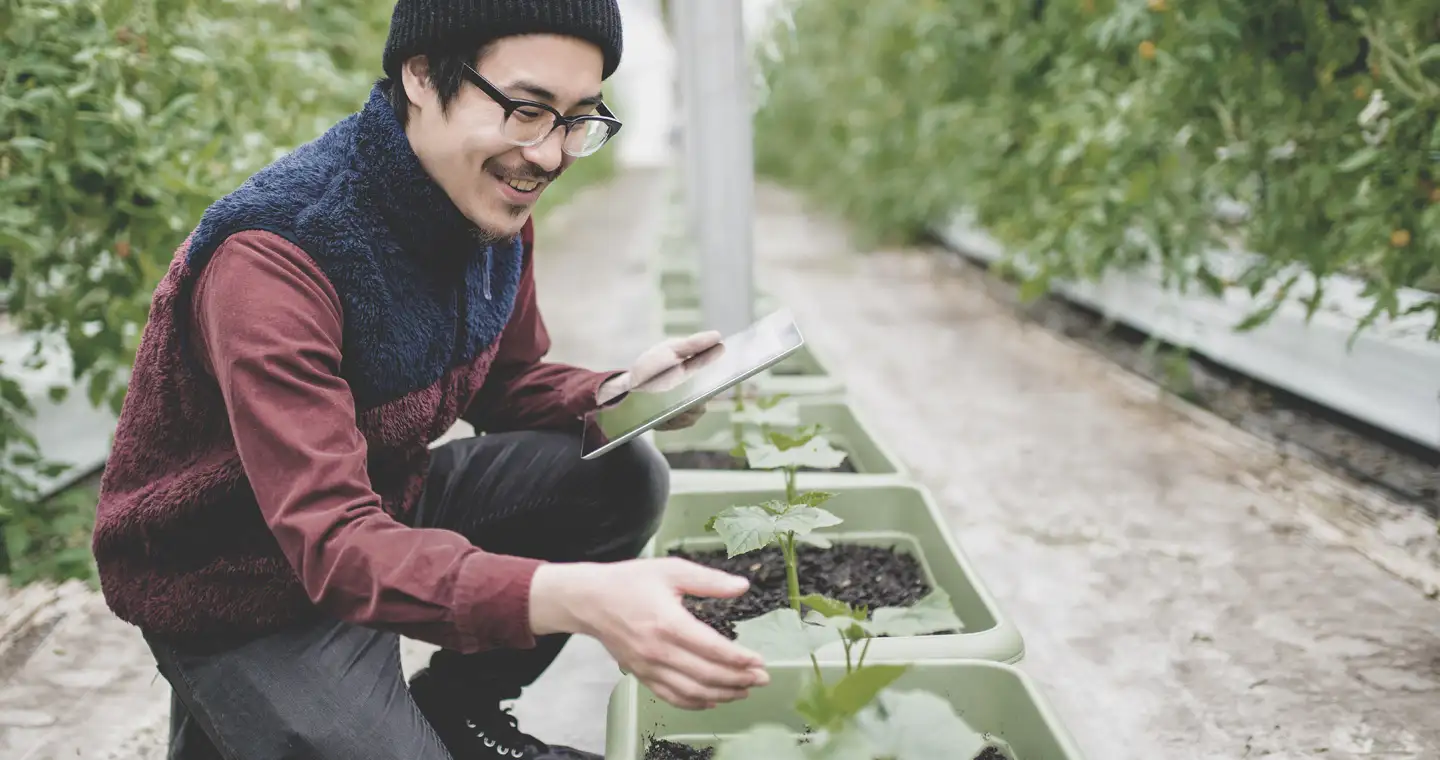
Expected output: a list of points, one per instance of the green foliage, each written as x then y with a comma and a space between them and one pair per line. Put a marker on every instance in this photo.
1093, 135
50, 539
859, 716
746, 529
784, 521
120, 121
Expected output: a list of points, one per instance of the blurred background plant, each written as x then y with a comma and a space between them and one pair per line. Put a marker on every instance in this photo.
120, 121
1094, 135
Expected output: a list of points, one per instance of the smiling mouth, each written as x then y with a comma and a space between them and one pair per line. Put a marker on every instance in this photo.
523, 185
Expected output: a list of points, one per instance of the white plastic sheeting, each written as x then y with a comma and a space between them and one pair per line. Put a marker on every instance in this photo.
1390, 378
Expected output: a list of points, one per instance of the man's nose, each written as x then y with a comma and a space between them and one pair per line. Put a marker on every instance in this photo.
548, 153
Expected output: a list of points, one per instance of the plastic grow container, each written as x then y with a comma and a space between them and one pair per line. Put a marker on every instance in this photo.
881, 512
844, 428
995, 699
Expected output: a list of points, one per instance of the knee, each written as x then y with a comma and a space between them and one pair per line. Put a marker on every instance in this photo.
633, 481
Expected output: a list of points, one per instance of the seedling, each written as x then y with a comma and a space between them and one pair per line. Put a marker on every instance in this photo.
859, 716
783, 521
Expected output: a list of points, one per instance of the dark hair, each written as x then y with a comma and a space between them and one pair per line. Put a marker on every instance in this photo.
446, 74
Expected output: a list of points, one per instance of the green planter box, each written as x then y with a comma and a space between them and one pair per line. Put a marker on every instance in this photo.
686, 298
891, 513
844, 427
994, 699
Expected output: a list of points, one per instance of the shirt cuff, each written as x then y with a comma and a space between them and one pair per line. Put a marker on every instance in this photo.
493, 609
582, 399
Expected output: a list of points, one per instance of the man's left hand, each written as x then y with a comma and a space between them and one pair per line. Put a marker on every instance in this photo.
665, 356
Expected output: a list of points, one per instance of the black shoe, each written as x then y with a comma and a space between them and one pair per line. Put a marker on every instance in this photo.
475, 728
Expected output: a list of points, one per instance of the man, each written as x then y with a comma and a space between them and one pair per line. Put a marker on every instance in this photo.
271, 517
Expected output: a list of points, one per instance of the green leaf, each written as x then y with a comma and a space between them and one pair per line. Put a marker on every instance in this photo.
917, 725
771, 401
931, 614
829, 607
801, 437
813, 498
767, 740
188, 54
831, 705
779, 415
815, 452
745, 529
25, 143
779, 635
804, 520
1359, 159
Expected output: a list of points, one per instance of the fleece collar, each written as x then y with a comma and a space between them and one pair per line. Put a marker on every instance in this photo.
395, 186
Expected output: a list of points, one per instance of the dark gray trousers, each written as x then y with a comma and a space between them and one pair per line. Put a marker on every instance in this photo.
334, 690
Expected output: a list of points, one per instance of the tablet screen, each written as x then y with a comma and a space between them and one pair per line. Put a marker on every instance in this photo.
693, 381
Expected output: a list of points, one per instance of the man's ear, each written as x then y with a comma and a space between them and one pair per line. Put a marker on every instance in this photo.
415, 78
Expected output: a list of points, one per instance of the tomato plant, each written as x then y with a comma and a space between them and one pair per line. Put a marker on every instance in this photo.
1093, 135
120, 121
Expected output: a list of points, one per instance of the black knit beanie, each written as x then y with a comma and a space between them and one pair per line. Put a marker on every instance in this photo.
449, 26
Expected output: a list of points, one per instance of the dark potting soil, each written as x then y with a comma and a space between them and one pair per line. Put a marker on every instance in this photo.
699, 459
662, 749
871, 576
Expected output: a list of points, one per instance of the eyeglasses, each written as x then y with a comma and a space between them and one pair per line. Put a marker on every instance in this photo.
528, 123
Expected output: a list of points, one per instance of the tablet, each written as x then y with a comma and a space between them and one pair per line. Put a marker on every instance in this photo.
692, 382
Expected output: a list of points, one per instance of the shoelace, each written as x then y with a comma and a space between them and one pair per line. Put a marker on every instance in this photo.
505, 737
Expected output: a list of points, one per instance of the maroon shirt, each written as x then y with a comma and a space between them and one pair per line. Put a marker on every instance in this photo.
268, 327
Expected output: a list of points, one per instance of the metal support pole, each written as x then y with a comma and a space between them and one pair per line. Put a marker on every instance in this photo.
720, 158
684, 33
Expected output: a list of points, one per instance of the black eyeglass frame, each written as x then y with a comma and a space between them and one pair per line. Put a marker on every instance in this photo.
511, 105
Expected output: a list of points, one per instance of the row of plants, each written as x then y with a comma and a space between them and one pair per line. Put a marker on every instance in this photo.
120, 121
1095, 135
881, 641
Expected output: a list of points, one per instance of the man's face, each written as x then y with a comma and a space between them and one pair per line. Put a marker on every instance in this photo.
465, 150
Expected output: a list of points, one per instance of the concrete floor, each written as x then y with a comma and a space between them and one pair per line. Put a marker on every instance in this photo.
1181, 593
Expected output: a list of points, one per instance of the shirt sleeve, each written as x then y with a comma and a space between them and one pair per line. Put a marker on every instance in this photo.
268, 326
522, 391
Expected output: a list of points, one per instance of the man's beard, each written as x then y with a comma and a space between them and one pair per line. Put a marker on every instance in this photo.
526, 170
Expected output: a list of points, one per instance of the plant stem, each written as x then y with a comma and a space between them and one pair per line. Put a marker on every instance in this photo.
791, 492
792, 577
848, 645
816, 664
737, 428
863, 651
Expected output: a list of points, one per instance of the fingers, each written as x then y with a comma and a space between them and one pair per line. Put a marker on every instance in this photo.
708, 643
691, 692
691, 682
695, 343
691, 661
698, 580
683, 420
668, 693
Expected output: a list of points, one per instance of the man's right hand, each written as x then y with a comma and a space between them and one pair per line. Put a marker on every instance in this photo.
634, 608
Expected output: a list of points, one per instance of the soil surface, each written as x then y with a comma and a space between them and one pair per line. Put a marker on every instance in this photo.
661, 749
697, 459
860, 575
